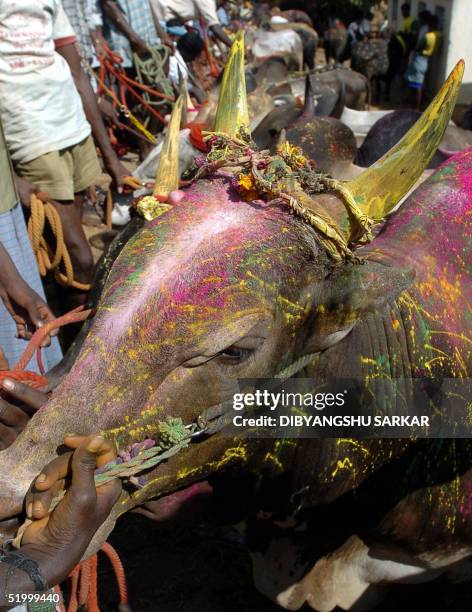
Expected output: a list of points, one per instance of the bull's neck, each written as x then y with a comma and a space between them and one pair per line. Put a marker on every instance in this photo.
379, 346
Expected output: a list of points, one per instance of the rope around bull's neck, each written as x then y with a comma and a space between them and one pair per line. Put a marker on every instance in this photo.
287, 178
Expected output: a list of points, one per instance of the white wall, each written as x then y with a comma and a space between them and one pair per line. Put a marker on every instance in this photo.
459, 45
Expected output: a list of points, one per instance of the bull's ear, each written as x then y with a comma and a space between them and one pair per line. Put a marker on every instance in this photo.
341, 299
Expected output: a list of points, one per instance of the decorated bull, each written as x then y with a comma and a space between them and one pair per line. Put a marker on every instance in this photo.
390, 128
262, 265
328, 143
370, 58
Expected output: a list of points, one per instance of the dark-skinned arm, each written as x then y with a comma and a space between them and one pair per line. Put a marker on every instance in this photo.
14, 418
165, 38
221, 34
112, 164
56, 542
115, 14
25, 306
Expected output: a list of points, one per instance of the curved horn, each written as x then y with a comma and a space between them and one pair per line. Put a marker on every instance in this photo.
309, 104
380, 188
232, 111
168, 173
282, 138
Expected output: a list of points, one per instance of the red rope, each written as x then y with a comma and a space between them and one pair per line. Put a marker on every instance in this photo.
60, 605
74, 590
39, 360
19, 372
140, 99
84, 587
146, 88
85, 573
116, 59
118, 568
28, 378
74, 316
92, 602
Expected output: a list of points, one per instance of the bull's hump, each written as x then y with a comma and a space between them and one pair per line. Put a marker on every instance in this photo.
435, 221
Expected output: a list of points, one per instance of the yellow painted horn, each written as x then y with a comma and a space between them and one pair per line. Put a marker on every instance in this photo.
168, 173
380, 188
232, 111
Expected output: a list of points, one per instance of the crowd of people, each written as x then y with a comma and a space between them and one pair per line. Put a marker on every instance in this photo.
375, 49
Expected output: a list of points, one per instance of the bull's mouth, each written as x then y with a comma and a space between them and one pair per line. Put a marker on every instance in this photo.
176, 485
184, 503
186, 441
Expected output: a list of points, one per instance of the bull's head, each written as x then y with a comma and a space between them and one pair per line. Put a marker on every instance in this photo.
218, 288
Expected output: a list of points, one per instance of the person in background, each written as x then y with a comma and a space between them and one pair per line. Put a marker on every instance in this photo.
409, 28
85, 17
223, 16
130, 27
191, 10
188, 48
49, 134
23, 307
356, 32
428, 42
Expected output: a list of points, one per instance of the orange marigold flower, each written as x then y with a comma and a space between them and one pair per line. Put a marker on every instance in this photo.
246, 182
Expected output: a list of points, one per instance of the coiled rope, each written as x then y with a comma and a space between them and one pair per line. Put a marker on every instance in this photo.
55, 260
150, 72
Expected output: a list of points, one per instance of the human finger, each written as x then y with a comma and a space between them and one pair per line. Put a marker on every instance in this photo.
7, 436
12, 416
33, 398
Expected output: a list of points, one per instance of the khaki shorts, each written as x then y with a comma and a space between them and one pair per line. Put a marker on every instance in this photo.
63, 173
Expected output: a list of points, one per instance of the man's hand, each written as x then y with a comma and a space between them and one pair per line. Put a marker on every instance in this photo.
27, 308
25, 190
117, 171
108, 112
139, 46
13, 419
57, 540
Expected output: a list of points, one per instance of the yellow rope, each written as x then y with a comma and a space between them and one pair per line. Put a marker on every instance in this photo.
49, 261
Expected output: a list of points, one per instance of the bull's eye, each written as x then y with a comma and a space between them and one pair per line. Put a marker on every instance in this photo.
234, 355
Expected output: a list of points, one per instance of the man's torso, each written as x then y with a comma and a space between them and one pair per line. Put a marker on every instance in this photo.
40, 106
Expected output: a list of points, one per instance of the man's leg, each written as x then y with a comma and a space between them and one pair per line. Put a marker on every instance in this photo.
77, 244
65, 175
419, 95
